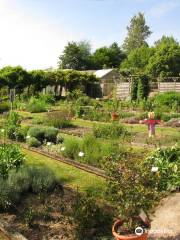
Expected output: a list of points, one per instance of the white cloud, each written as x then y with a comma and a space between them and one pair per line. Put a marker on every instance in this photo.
161, 9
27, 40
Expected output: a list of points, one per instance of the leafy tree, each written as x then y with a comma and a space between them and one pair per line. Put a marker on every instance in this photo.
14, 77
76, 56
137, 60
38, 80
143, 87
166, 59
108, 57
138, 32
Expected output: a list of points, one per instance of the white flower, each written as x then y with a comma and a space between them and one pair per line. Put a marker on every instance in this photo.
154, 169
81, 154
28, 136
62, 149
49, 143
2, 130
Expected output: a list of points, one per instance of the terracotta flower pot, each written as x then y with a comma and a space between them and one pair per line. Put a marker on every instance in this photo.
126, 237
114, 116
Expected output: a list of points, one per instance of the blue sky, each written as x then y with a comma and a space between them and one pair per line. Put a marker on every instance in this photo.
34, 32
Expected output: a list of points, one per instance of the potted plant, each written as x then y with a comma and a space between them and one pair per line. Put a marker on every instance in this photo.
130, 191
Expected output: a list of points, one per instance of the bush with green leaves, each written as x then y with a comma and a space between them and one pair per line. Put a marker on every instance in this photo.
4, 107
36, 105
10, 157
92, 220
59, 119
72, 148
36, 179
169, 100
129, 187
110, 131
33, 142
92, 149
12, 125
42, 134
166, 162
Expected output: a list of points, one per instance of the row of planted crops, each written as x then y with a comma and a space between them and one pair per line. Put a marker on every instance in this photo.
152, 172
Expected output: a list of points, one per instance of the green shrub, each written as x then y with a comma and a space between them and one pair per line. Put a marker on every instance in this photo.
42, 179
169, 100
109, 131
72, 148
43, 133
36, 105
12, 125
59, 119
37, 132
4, 107
50, 134
83, 101
92, 220
21, 133
167, 162
11, 157
33, 142
47, 98
36, 179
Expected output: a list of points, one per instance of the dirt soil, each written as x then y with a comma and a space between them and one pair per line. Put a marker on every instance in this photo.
42, 217
166, 219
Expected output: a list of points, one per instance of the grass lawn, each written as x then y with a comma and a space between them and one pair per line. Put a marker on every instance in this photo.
69, 175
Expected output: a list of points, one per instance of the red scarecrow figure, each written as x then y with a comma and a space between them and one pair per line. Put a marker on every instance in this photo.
151, 122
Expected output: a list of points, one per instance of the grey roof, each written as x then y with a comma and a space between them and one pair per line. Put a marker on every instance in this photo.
101, 73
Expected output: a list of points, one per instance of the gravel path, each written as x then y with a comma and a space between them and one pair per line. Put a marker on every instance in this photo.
166, 219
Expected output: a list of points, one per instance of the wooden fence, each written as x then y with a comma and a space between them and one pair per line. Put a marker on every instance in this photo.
123, 90
169, 86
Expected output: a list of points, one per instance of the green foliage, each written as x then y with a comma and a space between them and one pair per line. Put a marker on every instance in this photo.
166, 59
107, 57
12, 125
14, 77
170, 100
129, 188
10, 157
72, 148
76, 56
4, 107
29, 216
93, 150
42, 179
134, 88
43, 133
59, 119
168, 163
91, 219
109, 131
37, 179
137, 60
33, 142
143, 88
138, 32
36, 105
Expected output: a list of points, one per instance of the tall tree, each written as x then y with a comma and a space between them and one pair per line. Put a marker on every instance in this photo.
137, 60
108, 57
138, 32
76, 55
166, 59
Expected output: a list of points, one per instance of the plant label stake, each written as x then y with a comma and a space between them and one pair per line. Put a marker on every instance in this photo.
12, 97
